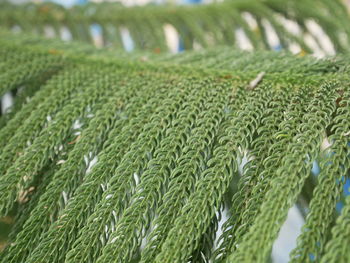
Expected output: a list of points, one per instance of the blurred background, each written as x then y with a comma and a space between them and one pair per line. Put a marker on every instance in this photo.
282, 32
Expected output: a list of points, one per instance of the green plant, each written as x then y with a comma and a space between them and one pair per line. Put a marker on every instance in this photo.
99, 153
201, 25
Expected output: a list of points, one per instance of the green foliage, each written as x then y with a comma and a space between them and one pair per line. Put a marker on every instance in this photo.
201, 25
114, 157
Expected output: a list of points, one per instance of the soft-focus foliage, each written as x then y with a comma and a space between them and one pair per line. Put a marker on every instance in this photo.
263, 24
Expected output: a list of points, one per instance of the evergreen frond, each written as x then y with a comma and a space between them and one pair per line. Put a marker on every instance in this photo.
113, 157
198, 26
